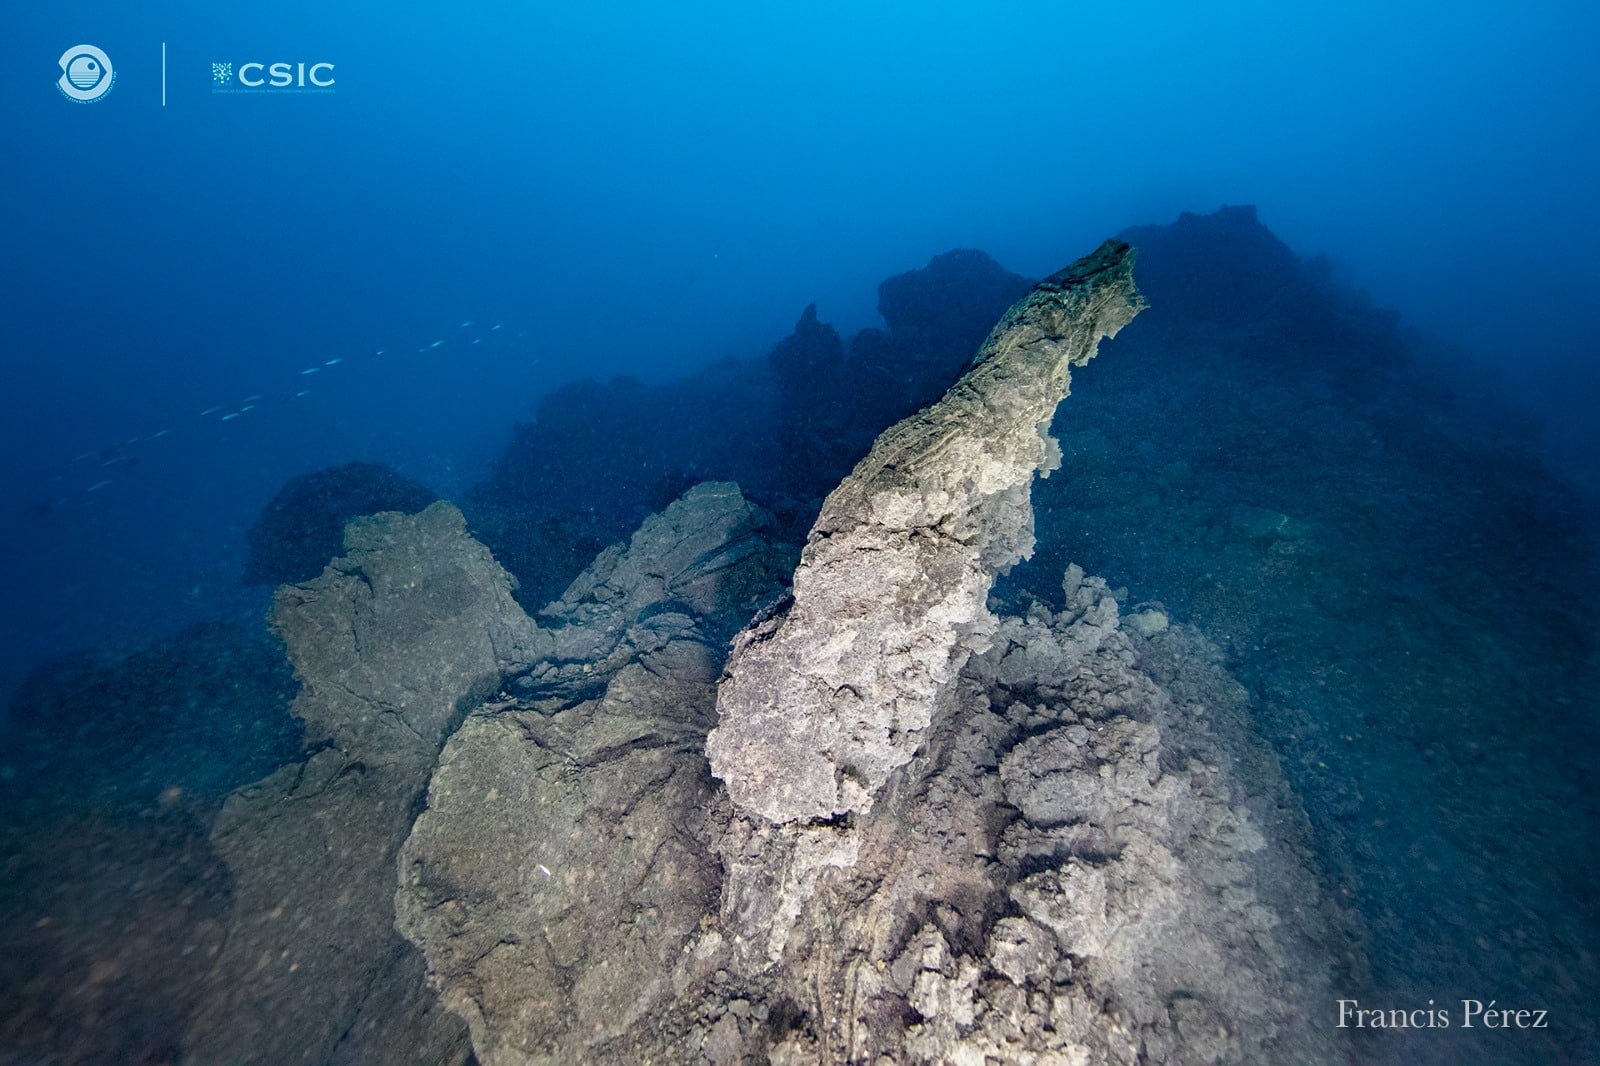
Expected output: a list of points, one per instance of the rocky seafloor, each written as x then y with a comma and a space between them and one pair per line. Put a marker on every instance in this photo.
839, 752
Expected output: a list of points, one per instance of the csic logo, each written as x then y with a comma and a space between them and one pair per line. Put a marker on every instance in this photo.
272, 77
86, 74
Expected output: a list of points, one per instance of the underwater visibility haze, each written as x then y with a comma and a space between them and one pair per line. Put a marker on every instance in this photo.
799, 533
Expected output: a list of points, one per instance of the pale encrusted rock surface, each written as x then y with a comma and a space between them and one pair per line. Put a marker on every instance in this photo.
1090, 859
823, 703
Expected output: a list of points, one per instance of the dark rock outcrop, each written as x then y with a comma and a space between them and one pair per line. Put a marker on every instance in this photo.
392, 644
941, 313
600, 458
302, 528
813, 430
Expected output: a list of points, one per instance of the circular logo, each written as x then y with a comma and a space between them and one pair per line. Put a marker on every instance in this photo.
86, 74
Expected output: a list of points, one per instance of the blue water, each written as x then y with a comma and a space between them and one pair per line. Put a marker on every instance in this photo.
643, 188
493, 202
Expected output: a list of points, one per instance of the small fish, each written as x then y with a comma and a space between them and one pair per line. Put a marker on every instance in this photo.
333, 362
545, 870
209, 411
230, 416
378, 352
135, 440
496, 326
158, 434
84, 456
310, 370
251, 399
437, 344
477, 340
465, 325
303, 392
97, 486
247, 407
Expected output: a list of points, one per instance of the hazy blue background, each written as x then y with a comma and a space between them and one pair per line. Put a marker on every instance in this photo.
643, 188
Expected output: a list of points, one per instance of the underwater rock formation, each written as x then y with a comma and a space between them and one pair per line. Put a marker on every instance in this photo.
813, 430
1406, 591
563, 861
600, 458
823, 702
302, 528
396, 639
1084, 855
1091, 858
945, 310
1048, 852
707, 559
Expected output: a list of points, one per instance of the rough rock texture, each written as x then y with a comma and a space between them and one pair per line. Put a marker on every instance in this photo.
404, 585
391, 644
1087, 856
563, 862
1083, 856
301, 529
1407, 593
824, 702
1091, 859
702, 563
1047, 855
